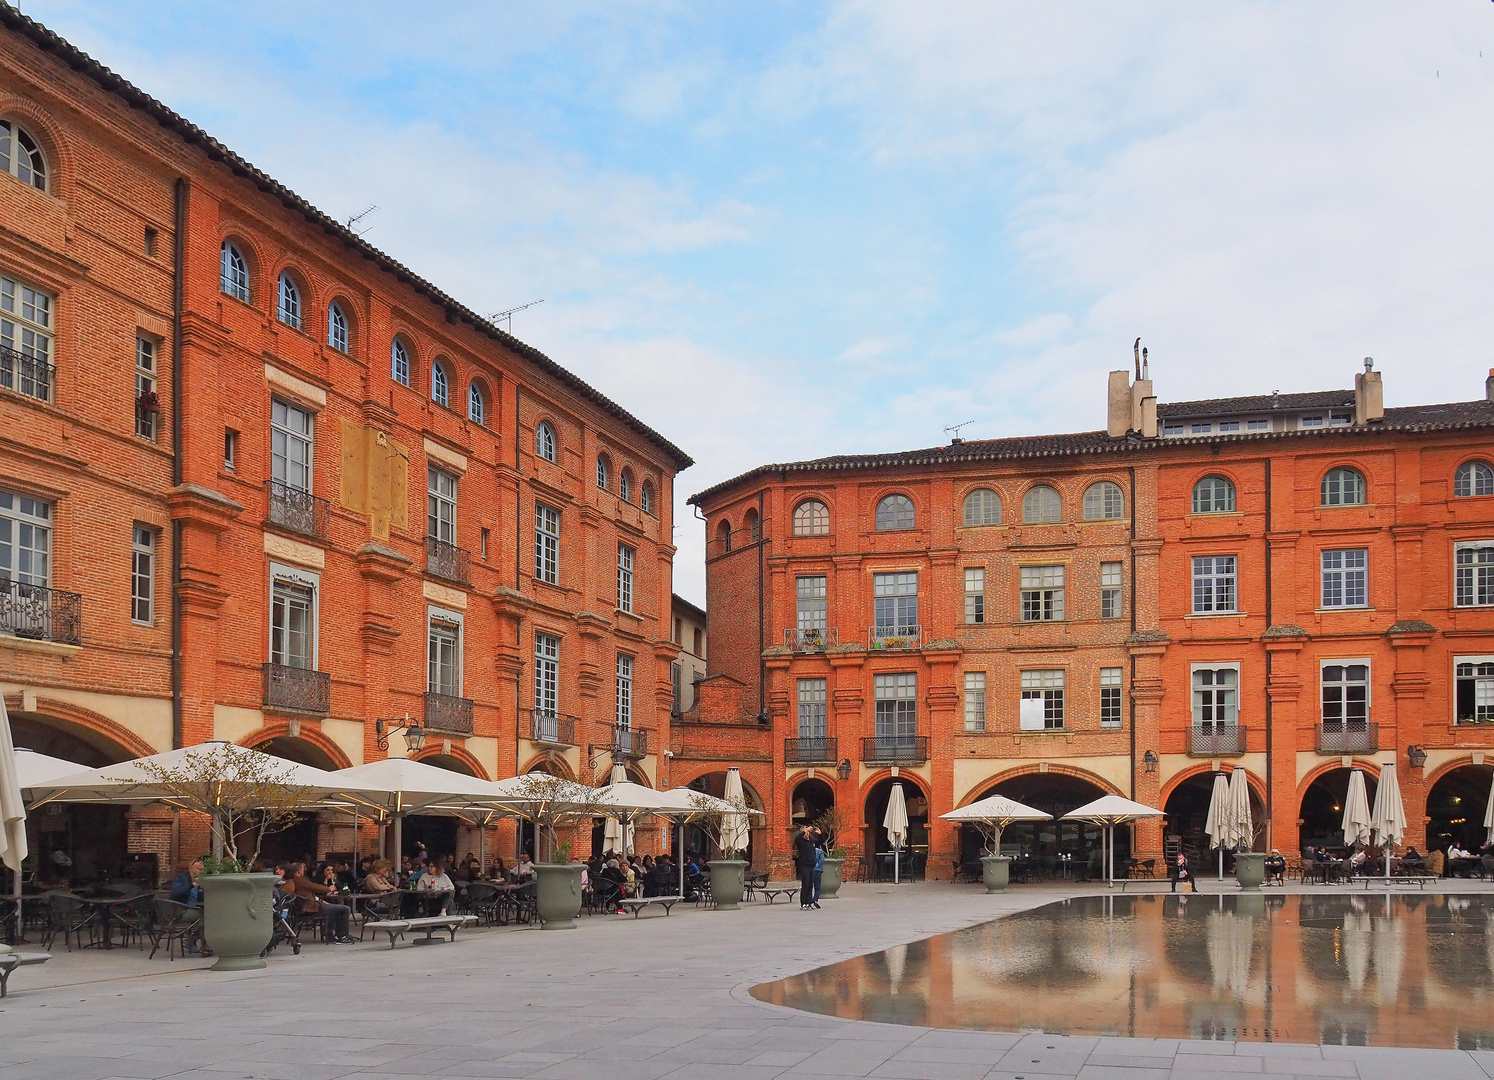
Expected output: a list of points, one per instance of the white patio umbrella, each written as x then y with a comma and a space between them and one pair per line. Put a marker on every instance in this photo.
1110, 811
12, 809
613, 837
1241, 822
735, 831
1215, 824
398, 787
895, 821
1388, 819
997, 811
1356, 823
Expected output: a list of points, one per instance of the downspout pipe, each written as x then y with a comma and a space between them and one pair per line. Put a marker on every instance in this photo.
178, 263
1132, 696
762, 643
1270, 829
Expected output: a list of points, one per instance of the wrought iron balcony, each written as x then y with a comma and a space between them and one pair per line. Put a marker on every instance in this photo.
38, 613
448, 561
1216, 740
447, 714
548, 727
297, 510
894, 637
27, 375
811, 641
812, 751
895, 750
298, 689
1348, 737
629, 742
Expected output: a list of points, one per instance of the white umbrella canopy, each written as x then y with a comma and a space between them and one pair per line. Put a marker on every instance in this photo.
12, 808
735, 831
398, 785
1356, 824
1241, 821
895, 821
1110, 811
34, 769
1489, 817
1214, 825
997, 811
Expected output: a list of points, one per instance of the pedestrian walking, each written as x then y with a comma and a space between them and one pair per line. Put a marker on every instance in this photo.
1179, 871
804, 856
819, 864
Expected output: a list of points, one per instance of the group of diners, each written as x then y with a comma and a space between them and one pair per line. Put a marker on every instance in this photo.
610, 878
1369, 861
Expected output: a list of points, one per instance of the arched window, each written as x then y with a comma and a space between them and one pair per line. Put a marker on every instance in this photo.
235, 273
21, 157
1473, 478
399, 362
625, 486
894, 514
337, 328
723, 534
646, 498
1213, 495
1104, 502
440, 385
288, 308
1343, 487
544, 440
753, 525
1041, 506
604, 472
477, 406
811, 518
982, 507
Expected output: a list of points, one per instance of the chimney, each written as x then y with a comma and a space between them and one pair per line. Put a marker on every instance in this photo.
1489, 386
1369, 395
1118, 404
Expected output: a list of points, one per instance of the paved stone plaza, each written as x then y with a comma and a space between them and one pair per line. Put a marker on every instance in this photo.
618, 999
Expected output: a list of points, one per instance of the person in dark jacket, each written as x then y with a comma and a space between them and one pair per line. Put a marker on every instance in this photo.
1179, 871
804, 859
186, 887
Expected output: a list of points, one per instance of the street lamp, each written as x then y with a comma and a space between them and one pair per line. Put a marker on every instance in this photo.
1416, 755
843, 770
1149, 761
414, 733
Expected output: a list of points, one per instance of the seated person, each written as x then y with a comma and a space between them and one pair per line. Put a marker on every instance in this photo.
313, 901
437, 889
380, 877
1411, 855
498, 870
186, 887
525, 870
1358, 859
1276, 866
609, 885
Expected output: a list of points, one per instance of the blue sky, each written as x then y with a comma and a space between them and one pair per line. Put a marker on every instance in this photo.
777, 231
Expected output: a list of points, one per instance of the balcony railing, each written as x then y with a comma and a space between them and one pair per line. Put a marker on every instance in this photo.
895, 749
1348, 737
297, 510
448, 561
1216, 740
447, 714
811, 641
298, 689
26, 374
628, 742
894, 637
547, 727
812, 751
38, 613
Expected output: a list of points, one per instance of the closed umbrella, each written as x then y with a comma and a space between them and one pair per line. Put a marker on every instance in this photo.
1489, 817
12, 809
1388, 820
1241, 823
1356, 812
735, 832
613, 837
1215, 825
895, 821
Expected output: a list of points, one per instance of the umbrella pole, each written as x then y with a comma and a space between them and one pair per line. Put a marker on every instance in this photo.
896, 875
679, 853
399, 841
1221, 861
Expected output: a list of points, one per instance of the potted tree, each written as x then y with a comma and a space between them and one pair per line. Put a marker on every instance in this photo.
995, 868
555, 805
830, 823
246, 796
726, 826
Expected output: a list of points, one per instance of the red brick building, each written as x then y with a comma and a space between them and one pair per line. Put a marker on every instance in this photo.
373, 503
1290, 584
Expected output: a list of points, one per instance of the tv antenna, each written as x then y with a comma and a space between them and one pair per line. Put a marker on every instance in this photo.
353, 219
497, 317
954, 431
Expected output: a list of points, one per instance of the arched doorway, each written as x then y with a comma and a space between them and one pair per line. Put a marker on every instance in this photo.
1187, 812
297, 842
714, 783
809, 801
1322, 810
1455, 807
1047, 842
874, 833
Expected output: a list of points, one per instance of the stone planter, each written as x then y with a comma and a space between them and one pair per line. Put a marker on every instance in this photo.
1250, 869
238, 918
558, 894
995, 872
728, 882
830, 880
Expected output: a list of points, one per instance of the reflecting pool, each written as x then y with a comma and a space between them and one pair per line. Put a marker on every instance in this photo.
1352, 969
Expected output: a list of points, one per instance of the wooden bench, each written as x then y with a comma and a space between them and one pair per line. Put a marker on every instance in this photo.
774, 892
636, 905
397, 928
12, 960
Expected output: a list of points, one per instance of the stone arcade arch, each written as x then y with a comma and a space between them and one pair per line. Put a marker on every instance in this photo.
1322, 805
1456, 801
1046, 842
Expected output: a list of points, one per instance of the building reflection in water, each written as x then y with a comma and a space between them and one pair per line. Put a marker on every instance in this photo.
1351, 969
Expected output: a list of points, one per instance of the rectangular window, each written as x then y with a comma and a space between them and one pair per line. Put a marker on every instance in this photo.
1474, 676
293, 617
25, 339
1200, 429
1110, 697
812, 722
482, 545
678, 632
1213, 584
1311, 421
1042, 593
624, 577
975, 701
896, 716
546, 679
1346, 578
1172, 429
290, 445
441, 505
230, 449
444, 659
1042, 700
1110, 590
1258, 425
975, 594
143, 575
895, 599
809, 602
25, 540
1229, 425
698, 642
1346, 697
147, 404
1216, 697
547, 544
1474, 574
624, 691
1340, 417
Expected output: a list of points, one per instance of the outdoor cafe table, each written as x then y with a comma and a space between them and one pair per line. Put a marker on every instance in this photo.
101, 909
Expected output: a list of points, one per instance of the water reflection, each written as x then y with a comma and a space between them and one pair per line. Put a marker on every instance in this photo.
1357, 970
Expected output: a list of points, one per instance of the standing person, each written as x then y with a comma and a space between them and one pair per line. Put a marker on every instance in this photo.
819, 863
804, 856
1179, 871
